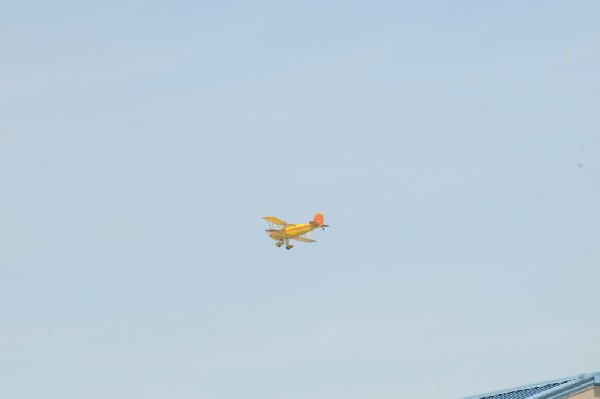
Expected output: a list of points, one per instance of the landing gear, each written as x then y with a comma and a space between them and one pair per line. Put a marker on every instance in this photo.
288, 246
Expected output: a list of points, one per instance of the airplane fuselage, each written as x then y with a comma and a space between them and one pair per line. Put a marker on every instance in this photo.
292, 231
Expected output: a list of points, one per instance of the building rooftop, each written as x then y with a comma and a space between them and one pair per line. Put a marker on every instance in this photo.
555, 389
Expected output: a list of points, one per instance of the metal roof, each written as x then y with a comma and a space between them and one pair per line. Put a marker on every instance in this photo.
556, 389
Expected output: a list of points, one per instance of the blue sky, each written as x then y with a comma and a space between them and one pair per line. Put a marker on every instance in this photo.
453, 147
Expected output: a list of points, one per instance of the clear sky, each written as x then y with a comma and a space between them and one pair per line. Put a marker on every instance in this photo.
454, 148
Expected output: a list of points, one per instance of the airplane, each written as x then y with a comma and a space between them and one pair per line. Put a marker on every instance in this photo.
287, 231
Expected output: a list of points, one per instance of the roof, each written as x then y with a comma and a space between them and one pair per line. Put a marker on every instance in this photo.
555, 389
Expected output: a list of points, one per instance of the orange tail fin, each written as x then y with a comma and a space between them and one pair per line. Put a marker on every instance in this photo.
319, 218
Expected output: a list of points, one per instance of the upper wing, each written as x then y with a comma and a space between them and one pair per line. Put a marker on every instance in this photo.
303, 239
277, 221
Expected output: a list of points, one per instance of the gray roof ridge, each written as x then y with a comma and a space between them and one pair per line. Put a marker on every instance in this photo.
580, 384
563, 386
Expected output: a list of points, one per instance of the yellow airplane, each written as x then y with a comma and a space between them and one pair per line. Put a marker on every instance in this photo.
286, 231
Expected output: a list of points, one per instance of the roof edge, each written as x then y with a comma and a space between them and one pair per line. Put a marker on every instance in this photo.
571, 388
593, 378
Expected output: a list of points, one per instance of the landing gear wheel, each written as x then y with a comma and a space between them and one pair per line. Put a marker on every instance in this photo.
279, 244
288, 247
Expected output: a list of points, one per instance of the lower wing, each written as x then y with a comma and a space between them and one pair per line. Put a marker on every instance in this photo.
303, 239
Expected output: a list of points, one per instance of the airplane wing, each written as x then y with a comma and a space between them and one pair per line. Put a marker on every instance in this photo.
303, 239
277, 221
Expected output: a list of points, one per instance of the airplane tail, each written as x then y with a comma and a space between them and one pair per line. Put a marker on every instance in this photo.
319, 220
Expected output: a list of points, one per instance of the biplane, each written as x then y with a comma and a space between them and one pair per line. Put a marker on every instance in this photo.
283, 232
